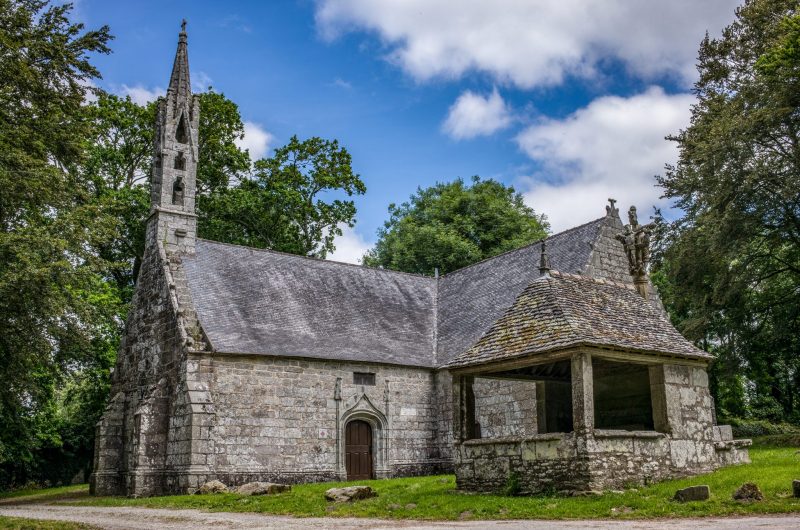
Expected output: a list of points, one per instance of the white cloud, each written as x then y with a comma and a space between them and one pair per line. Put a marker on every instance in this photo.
341, 83
350, 246
611, 148
474, 115
256, 140
140, 94
532, 43
201, 81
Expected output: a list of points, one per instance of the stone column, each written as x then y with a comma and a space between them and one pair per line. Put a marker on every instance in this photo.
582, 393
541, 407
464, 409
658, 397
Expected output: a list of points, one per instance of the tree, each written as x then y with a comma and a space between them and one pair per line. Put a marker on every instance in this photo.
733, 261
452, 225
221, 160
48, 221
282, 205
119, 159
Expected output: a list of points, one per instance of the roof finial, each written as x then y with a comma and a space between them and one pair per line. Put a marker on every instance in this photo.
544, 260
611, 210
183, 26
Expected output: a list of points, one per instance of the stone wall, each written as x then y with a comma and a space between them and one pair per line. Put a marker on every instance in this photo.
505, 407
131, 441
541, 463
283, 419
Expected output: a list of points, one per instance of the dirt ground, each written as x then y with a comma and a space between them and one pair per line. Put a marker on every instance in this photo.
159, 519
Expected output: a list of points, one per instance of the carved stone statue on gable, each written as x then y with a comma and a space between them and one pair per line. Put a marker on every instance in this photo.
636, 241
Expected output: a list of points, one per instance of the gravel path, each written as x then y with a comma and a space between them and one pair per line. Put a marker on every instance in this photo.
160, 519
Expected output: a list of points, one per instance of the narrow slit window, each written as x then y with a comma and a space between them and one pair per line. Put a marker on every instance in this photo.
364, 378
180, 162
182, 133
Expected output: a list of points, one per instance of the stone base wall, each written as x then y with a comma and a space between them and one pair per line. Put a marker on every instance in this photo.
566, 463
544, 463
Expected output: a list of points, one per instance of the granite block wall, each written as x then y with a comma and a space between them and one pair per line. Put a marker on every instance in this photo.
284, 418
505, 407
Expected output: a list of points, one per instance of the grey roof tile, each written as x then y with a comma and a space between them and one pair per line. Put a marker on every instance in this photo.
473, 298
567, 310
252, 301
262, 302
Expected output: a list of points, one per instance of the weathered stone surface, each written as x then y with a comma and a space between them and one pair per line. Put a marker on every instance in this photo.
796, 488
212, 486
693, 493
272, 405
262, 488
748, 492
349, 494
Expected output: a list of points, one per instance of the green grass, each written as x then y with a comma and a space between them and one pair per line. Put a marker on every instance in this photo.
43, 494
773, 469
18, 523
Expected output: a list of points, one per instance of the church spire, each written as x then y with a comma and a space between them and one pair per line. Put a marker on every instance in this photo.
179, 84
173, 222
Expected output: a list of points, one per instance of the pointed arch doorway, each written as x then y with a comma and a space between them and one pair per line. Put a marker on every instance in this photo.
358, 452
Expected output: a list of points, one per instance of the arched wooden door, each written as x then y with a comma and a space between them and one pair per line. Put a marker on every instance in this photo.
358, 450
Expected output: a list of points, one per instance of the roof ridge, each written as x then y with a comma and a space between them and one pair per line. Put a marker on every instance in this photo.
593, 279
317, 260
518, 249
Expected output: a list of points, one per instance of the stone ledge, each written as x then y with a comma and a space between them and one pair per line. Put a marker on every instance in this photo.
727, 445
608, 433
515, 439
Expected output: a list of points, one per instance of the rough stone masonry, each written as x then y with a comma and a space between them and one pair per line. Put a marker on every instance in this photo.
554, 364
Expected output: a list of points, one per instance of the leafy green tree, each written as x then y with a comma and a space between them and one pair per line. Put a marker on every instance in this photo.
221, 160
733, 261
282, 206
119, 158
452, 225
48, 222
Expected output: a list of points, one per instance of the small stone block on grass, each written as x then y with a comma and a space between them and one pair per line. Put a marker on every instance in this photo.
349, 494
693, 493
262, 488
796, 488
213, 486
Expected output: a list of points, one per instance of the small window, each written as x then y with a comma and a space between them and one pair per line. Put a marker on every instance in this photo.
363, 378
177, 191
182, 133
180, 162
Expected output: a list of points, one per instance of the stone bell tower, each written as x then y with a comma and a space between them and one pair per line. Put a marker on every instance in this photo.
172, 217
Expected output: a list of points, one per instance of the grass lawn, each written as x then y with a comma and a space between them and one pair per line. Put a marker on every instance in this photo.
773, 469
18, 523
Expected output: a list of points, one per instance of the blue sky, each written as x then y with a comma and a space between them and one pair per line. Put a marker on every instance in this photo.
567, 100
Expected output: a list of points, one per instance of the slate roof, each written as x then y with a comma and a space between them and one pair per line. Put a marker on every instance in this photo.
565, 310
473, 298
262, 302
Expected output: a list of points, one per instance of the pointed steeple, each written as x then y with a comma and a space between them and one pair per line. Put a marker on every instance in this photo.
179, 83
173, 221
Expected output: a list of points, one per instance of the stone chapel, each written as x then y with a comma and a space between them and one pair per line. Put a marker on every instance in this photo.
554, 362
